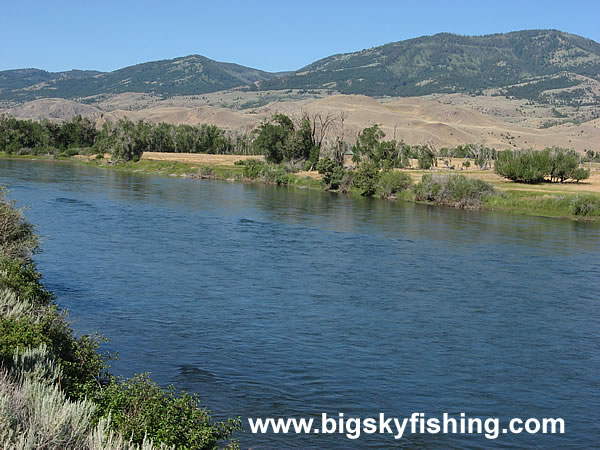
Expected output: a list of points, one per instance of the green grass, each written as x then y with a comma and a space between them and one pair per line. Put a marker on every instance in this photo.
538, 204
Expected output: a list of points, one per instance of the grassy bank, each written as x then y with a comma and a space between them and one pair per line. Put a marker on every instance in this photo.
546, 200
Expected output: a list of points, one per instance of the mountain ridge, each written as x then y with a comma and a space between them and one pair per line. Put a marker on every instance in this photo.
539, 65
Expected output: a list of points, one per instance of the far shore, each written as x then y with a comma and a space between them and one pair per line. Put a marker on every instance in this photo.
543, 199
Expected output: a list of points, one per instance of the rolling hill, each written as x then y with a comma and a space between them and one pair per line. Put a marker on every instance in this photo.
523, 64
189, 75
548, 66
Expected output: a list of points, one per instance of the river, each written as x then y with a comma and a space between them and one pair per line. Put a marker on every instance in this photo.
284, 302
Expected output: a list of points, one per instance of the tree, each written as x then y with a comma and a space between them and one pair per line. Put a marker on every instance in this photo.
366, 178
125, 140
525, 166
563, 163
366, 144
331, 172
426, 157
303, 143
273, 138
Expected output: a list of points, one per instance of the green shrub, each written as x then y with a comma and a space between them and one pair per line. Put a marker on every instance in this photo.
139, 408
530, 166
525, 166
332, 173
22, 278
28, 325
586, 205
392, 182
36, 413
453, 190
17, 239
276, 174
366, 178
253, 168
580, 174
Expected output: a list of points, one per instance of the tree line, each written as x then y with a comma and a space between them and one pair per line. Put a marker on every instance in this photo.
309, 142
124, 139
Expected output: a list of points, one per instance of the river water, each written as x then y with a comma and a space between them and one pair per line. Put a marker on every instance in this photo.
275, 302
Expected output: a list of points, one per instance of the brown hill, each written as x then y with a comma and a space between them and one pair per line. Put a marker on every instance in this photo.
416, 120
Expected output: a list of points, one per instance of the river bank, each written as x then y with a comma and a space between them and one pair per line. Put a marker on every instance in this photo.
542, 200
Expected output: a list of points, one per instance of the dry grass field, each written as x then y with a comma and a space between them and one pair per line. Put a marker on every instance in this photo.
201, 159
591, 185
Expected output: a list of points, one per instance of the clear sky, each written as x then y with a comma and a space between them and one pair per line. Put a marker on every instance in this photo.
269, 35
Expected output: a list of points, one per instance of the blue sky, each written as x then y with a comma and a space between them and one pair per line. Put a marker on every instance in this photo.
269, 35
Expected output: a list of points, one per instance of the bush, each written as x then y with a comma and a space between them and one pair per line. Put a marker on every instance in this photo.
277, 175
17, 239
253, 168
35, 413
586, 205
392, 182
525, 166
530, 166
366, 178
564, 163
332, 173
453, 190
24, 280
139, 408
580, 174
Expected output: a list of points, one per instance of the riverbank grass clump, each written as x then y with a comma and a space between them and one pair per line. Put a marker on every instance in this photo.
393, 182
453, 190
586, 205
270, 173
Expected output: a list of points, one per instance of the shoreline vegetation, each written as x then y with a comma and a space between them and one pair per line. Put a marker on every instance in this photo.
311, 152
55, 387
580, 206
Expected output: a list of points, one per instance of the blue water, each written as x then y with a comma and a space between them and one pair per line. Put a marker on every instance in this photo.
274, 302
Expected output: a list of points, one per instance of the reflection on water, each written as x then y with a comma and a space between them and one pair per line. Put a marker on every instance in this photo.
278, 302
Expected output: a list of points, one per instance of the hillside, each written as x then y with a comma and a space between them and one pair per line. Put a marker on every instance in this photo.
189, 75
445, 121
546, 66
17, 79
522, 64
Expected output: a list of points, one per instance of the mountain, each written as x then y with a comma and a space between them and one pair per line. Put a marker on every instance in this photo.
187, 75
23, 78
444, 63
549, 66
